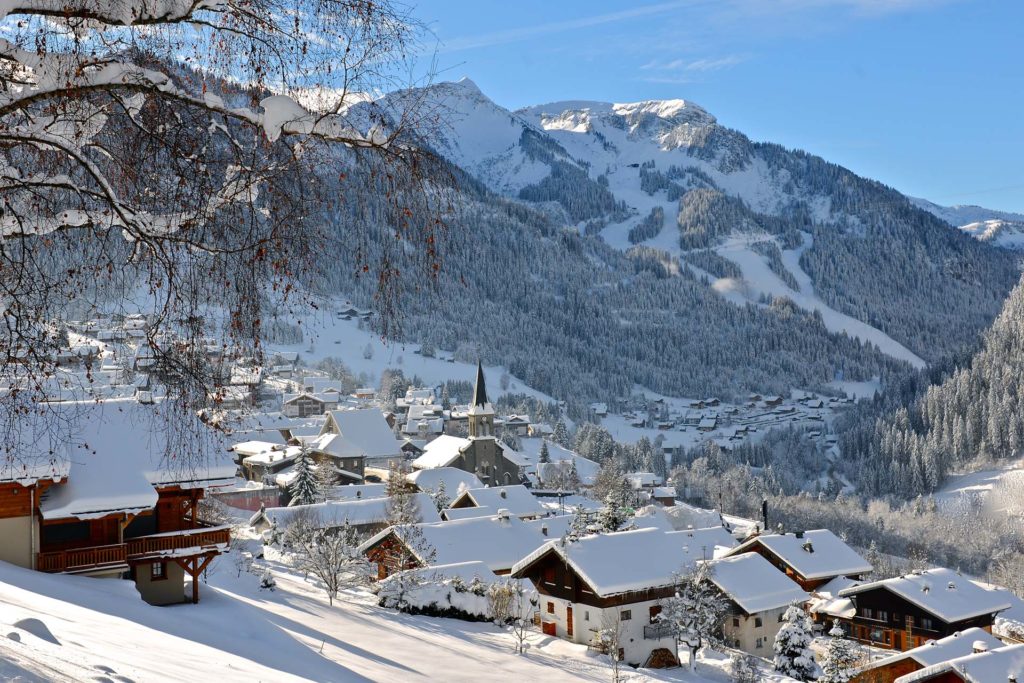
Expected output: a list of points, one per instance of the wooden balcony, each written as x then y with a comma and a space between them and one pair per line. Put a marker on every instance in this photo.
111, 556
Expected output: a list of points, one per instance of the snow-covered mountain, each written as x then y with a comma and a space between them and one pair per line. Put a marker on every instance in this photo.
999, 228
759, 220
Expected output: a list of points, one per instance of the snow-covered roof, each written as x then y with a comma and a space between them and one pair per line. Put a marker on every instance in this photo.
272, 456
754, 584
818, 554
440, 452
359, 432
517, 499
359, 491
247, 448
994, 666
643, 479
453, 478
557, 526
499, 542
115, 453
452, 514
825, 599
633, 560
336, 513
941, 592
959, 644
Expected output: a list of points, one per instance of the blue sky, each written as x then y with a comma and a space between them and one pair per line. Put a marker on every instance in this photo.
924, 95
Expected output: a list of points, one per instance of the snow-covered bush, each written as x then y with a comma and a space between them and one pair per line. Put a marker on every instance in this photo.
267, 581
743, 668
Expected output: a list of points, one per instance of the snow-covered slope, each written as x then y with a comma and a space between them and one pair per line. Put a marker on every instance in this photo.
482, 137
962, 214
999, 228
70, 629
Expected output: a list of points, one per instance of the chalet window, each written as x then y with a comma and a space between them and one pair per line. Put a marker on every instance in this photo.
586, 615
627, 615
865, 612
655, 611
760, 643
157, 571
926, 623
549, 575
758, 623
736, 622
551, 608
883, 615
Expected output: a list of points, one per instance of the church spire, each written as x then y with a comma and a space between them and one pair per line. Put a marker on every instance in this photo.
481, 412
480, 390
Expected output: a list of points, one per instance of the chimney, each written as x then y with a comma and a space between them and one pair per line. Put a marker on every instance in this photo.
799, 534
503, 493
1012, 678
503, 515
764, 514
544, 529
979, 646
808, 547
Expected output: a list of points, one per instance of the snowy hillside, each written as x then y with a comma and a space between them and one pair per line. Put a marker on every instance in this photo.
67, 628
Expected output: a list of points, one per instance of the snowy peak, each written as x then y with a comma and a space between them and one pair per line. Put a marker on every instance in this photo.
999, 228
670, 123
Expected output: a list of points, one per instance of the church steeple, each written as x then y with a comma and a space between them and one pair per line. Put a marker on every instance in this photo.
480, 390
481, 412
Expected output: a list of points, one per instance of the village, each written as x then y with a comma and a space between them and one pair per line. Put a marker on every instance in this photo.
450, 510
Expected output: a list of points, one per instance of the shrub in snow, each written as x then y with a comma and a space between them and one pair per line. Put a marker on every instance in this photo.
840, 657
743, 668
511, 605
333, 557
413, 592
793, 655
267, 581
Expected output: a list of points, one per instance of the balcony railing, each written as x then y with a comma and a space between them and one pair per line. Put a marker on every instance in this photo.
111, 556
657, 631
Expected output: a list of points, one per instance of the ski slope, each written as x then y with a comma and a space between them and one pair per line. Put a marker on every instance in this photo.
759, 279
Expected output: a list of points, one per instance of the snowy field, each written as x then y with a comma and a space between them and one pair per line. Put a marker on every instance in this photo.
66, 628
326, 336
1000, 490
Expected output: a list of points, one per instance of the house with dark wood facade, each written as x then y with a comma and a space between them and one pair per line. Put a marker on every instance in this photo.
499, 541
811, 558
960, 644
907, 611
112, 497
617, 581
1001, 665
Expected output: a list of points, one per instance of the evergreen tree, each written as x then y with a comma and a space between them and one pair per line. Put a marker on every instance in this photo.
561, 435
440, 497
793, 655
578, 528
304, 489
572, 477
545, 456
326, 478
840, 657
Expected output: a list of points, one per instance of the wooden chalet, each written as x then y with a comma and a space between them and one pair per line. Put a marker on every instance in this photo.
499, 541
960, 644
1000, 665
811, 558
905, 612
108, 505
616, 579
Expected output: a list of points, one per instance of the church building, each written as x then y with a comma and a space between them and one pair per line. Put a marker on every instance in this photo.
493, 462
